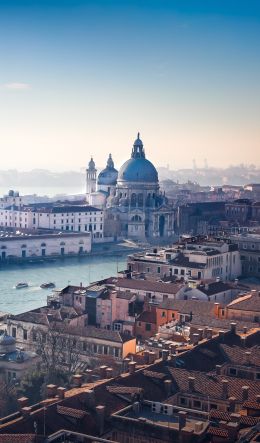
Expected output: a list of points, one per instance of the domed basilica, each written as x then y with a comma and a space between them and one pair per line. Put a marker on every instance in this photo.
131, 199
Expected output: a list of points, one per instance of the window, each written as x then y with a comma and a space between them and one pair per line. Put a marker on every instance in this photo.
232, 371
213, 406
147, 269
183, 401
34, 336
173, 315
14, 332
148, 326
197, 404
182, 271
163, 314
176, 271
24, 334
159, 270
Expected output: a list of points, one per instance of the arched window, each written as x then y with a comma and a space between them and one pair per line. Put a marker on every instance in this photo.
62, 243
133, 200
3, 247
136, 218
43, 245
24, 246
140, 200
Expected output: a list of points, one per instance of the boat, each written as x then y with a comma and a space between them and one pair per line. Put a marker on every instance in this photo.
21, 285
47, 285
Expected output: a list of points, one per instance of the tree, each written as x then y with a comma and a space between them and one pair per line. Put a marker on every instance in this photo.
59, 351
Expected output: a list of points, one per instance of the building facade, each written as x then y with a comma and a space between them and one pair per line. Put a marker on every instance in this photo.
134, 206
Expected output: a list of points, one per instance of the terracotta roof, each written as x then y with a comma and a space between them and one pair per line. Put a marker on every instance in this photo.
71, 412
149, 286
153, 374
238, 356
250, 302
188, 306
252, 405
211, 385
17, 438
124, 390
218, 432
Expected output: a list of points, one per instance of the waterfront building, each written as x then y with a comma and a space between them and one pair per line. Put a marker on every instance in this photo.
193, 258
133, 203
62, 217
24, 244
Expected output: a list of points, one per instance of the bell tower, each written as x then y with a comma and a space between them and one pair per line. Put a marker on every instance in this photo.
91, 177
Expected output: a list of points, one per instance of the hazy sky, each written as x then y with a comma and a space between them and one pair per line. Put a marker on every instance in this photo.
83, 77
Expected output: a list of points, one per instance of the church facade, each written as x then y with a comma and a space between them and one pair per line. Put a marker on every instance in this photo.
133, 205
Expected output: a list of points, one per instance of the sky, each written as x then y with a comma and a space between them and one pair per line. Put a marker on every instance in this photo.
82, 77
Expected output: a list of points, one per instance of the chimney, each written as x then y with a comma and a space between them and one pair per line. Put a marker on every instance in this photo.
109, 373
77, 380
165, 354
102, 371
209, 333
51, 391
136, 407
191, 384
126, 364
146, 356
232, 429
132, 366
152, 357
232, 404
217, 279
218, 369
236, 282
245, 391
200, 332
243, 341
172, 349
61, 392
195, 339
257, 398
233, 327
182, 419
100, 410
89, 398
88, 375
168, 387
248, 357
26, 410
244, 330
224, 388
235, 418
22, 402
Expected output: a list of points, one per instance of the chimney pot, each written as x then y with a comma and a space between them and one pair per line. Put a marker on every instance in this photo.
100, 410
245, 391
51, 390
248, 357
233, 327
191, 384
225, 388
77, 379
109, 373
102, 371
182, 419
218, 369
22, 402
152, 357
165, 354
132, 366
61, 392
168, 387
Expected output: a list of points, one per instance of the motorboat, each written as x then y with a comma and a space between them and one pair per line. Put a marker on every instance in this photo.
21, 285
47, 285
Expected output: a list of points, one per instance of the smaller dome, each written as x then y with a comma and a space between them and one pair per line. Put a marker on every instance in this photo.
91, 164
6, 340
108, 177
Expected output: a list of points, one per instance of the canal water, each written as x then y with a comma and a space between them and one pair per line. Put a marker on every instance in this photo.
62, 272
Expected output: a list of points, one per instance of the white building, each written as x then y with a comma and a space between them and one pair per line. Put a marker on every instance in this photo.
52, 244
201, 260
79, 218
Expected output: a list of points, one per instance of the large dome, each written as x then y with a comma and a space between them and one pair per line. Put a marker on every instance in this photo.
138, 168
108, 176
